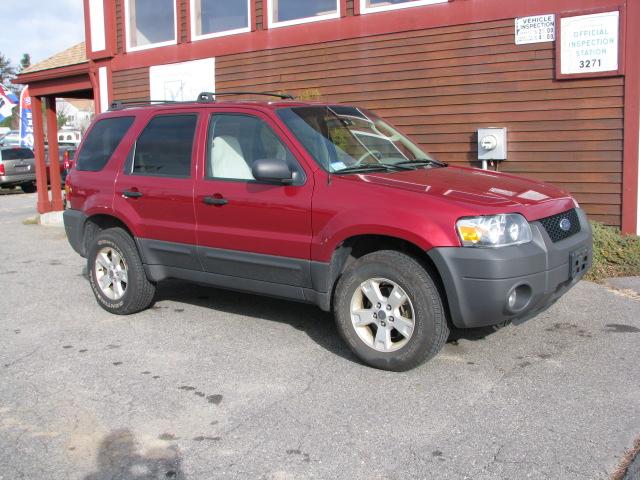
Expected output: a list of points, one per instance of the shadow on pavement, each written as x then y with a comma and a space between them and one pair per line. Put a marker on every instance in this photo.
318, 325
119, 459
473, 334
11, 191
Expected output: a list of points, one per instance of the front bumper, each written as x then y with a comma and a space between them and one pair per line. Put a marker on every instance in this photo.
479, 281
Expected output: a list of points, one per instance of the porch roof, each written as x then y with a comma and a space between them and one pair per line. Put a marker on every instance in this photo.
71, 56
64, 74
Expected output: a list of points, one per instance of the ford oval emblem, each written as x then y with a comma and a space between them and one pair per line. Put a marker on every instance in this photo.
565, 224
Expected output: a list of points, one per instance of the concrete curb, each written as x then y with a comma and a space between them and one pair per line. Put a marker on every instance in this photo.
625, 283
51, 219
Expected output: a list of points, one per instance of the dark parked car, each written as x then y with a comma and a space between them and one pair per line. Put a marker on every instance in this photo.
325, 204
67, 158
66, 153
17, 168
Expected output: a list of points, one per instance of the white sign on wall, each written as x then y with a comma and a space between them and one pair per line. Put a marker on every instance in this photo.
590, 43
537, 29
182, 82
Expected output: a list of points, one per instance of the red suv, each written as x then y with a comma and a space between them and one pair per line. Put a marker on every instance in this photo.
318, 203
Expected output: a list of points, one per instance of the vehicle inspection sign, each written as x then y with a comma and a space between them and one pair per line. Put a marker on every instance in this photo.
538, 29
590, 43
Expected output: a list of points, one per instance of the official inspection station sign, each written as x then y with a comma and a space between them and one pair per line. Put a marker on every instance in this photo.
590, 44
536, 29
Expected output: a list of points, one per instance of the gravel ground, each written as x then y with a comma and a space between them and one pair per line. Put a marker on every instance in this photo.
216, 385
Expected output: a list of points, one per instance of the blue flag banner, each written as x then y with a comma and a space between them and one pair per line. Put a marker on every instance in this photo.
26, 119
7, 101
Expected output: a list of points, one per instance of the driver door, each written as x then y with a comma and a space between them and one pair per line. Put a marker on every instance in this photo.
248, 229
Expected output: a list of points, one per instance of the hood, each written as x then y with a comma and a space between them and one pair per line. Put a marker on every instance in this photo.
468, 185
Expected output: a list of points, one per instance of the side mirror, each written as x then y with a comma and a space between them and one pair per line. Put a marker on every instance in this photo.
272, 170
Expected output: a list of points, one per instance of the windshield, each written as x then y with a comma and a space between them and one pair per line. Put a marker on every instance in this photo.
348, 139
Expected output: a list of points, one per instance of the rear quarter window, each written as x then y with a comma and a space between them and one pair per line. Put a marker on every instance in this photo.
16, 154
103, 139
165, 147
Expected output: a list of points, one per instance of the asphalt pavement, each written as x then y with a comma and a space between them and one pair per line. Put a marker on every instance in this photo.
210, 384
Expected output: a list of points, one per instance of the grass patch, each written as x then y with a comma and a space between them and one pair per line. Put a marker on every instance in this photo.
614, 255
30, 221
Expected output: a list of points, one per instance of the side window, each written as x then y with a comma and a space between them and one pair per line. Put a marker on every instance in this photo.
150, 23
290, 12
210, 18
164, 147
234, 142
103, 139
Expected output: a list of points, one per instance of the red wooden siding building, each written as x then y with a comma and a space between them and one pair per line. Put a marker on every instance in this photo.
438, 69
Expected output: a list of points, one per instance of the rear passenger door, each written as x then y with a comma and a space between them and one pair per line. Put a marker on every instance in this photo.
155, 189
249, 229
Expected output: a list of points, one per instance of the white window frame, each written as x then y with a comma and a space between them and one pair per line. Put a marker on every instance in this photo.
297, 21
235, 31
385, 8
96, 26
127, 29
103, 87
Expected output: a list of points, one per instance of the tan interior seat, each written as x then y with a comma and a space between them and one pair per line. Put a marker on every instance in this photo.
227, 159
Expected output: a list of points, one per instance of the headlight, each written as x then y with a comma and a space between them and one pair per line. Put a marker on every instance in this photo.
494, 230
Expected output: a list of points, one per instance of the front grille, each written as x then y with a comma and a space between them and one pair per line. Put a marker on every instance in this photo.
552, 225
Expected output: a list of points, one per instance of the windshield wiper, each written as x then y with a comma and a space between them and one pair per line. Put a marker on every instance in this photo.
370, 168
418, 163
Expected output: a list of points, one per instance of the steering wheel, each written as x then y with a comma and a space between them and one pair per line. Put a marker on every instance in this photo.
375, 154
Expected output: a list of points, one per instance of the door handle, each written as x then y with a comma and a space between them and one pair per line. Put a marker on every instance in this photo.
131, 194
215, 201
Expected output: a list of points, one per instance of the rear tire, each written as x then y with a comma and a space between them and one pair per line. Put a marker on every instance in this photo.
29, 187
116, 273
389, 312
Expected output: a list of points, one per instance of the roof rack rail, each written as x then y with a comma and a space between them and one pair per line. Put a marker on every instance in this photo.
120, 104
204, 97
211, 96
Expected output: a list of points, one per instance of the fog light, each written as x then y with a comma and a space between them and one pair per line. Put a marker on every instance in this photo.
519, 298
512, 299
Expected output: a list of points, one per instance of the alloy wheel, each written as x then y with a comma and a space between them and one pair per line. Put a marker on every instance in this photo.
111, 273
382, 314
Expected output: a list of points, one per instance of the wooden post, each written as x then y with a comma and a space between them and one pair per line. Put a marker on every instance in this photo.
44, 205
54, 155
631, 164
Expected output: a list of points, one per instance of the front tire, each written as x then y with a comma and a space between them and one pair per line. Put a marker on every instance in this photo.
117, 275
389, 311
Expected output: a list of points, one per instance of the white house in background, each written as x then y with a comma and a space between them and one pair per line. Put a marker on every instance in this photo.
79, 112
67, 135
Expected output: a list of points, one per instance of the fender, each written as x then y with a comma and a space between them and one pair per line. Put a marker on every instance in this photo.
110, 213
345, 227
423, 228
